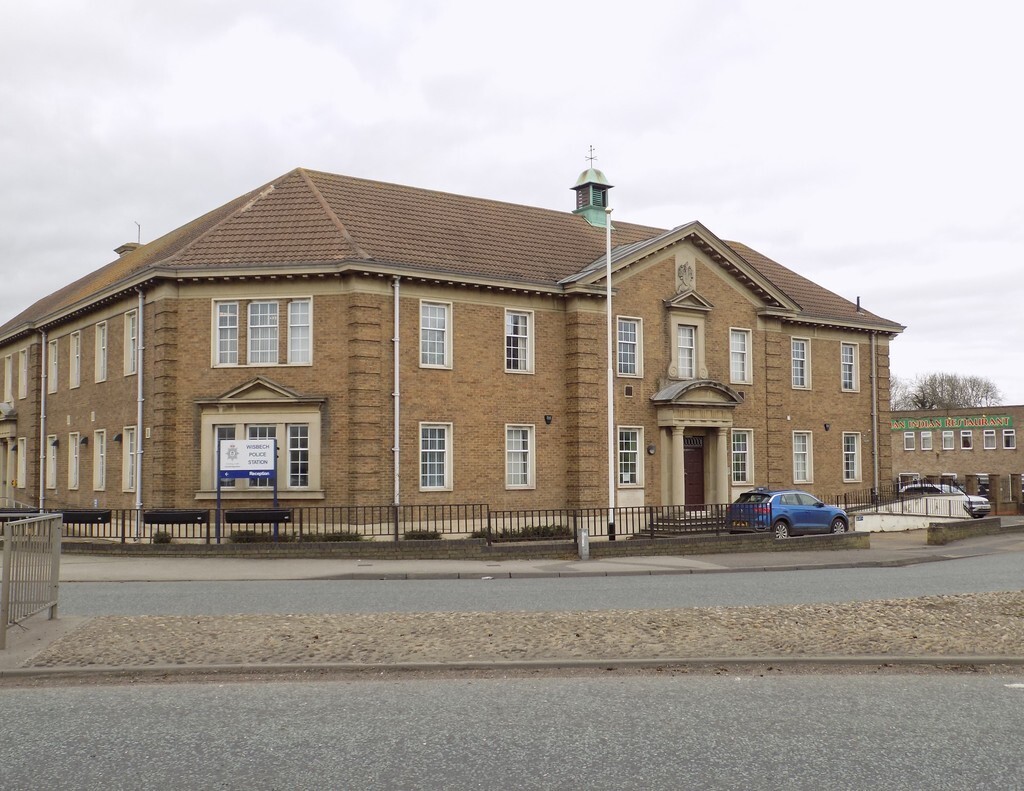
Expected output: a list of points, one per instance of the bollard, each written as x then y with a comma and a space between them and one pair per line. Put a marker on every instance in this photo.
583, 539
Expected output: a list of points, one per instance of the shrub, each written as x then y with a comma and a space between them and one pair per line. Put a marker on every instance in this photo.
422, 535
161, 537
343, 535
532, 533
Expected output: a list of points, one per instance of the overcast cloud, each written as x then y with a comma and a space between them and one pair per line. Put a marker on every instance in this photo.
875, 147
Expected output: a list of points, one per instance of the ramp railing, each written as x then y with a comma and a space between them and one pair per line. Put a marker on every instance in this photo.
31, 570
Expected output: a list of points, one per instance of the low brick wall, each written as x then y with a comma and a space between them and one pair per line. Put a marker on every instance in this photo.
939, 534
477, 549
713, 545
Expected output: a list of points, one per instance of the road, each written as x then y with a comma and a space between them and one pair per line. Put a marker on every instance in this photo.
607, 731
968, 575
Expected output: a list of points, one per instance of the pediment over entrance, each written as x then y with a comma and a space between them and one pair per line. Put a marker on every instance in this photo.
260, 390
697, 392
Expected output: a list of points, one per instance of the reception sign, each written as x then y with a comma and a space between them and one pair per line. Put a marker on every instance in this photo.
248, 458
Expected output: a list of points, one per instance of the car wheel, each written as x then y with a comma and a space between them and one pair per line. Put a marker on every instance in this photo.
781, 529
838, 525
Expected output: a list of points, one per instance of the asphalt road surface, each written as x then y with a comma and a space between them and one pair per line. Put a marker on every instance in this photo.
596, 731
999, 572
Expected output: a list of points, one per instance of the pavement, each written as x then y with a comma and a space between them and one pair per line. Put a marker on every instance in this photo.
973, 629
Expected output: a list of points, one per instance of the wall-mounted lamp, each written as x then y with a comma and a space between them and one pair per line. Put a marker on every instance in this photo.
83, 441
828, 426
650, 449
117, 438
548, 419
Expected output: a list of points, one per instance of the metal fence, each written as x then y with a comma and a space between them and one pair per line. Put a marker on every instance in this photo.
31, 570
386, 523
477, 520
890, 500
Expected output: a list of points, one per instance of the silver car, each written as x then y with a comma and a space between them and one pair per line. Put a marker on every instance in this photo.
974, 504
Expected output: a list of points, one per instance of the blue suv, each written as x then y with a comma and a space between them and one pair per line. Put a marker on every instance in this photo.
787, 512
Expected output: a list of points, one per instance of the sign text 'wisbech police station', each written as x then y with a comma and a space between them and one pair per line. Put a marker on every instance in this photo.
248, 458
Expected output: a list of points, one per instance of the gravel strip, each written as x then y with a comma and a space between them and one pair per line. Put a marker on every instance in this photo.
963, 625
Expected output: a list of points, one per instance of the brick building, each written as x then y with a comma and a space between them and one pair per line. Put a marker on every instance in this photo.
976, 447
403, 344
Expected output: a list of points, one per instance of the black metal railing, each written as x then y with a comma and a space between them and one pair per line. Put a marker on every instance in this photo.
389, 522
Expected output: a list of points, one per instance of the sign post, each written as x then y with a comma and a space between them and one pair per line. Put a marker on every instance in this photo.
252, 459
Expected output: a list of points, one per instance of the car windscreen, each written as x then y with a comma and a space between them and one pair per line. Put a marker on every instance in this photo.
753, 497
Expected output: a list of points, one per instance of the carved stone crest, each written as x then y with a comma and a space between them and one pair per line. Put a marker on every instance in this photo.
686, 276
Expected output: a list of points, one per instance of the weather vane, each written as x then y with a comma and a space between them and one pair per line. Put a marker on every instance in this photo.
591, 157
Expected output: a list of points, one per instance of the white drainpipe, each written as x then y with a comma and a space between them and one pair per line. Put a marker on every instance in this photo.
45, 363
138, 421
396, 395
874, 404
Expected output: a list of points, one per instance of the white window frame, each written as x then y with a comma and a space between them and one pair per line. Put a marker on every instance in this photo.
267, 431
99, 460
630, 457
908, 440
849, 367
9, 378
74, 460
22, 462
851, 457
264, 326
520, 458
740, 351
800, 363
1009, 439
926, 440
131, 342
744, 453
625, 344
966, 434
225, 337
264, 338
23, 373
300, 332
298, 456
521, 343
52, 350
435, 341
989, 439
806, 453
51, 461
224, 432
129, 448
445, 430
686, 368
101, 345
947, 439
75, 360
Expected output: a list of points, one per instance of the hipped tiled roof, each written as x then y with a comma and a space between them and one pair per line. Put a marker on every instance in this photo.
306, 219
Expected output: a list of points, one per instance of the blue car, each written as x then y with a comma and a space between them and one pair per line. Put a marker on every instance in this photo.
786, 512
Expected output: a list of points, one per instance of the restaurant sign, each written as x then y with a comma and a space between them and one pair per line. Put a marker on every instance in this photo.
950, 422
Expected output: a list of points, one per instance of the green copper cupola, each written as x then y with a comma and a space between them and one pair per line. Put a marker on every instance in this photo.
592, 196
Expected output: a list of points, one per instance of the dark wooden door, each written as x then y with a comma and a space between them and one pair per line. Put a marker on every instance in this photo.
693, 467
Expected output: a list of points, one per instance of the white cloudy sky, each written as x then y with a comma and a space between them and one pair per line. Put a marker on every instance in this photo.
875, 147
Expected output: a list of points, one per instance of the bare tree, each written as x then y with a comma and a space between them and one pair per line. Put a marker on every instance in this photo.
943, 391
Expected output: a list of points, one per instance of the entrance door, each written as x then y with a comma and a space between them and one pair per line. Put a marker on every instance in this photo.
693, 470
